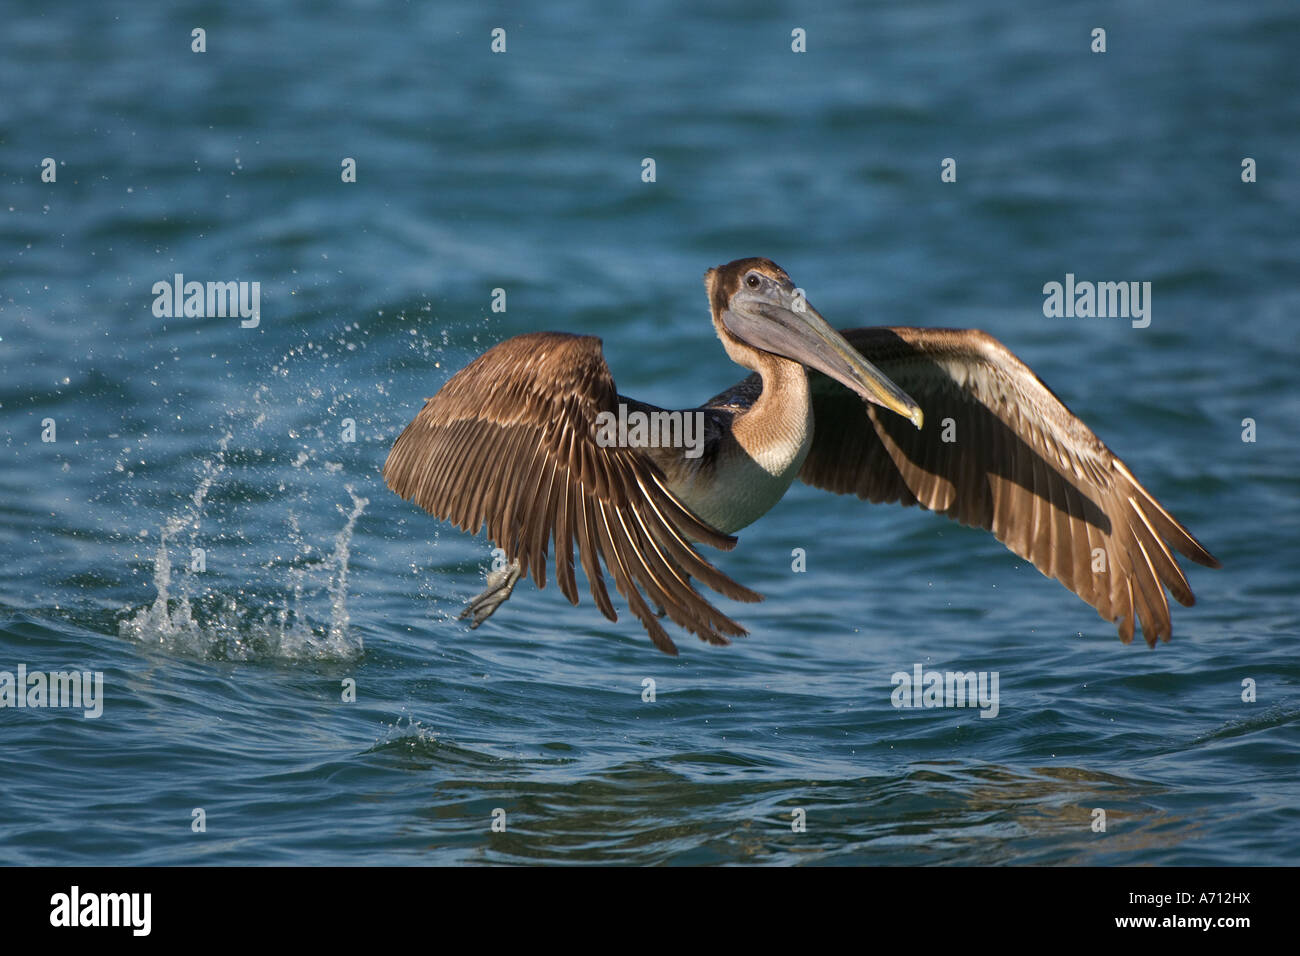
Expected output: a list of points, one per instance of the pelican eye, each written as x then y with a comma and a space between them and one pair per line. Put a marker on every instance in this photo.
753, 281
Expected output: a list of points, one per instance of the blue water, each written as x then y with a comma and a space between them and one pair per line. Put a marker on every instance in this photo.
522, 171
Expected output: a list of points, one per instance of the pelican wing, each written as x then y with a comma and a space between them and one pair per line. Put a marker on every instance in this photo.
999, 451
510, 442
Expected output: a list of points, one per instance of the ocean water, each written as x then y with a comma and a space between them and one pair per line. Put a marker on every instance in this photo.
176, 438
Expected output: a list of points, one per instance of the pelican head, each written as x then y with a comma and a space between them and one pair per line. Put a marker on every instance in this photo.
756, 303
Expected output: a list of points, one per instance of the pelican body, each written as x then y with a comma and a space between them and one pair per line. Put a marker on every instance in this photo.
947, 419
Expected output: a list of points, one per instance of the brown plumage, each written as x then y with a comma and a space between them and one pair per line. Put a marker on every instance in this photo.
1021, 465
510, 443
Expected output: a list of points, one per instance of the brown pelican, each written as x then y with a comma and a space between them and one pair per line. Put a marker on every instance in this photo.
520, 441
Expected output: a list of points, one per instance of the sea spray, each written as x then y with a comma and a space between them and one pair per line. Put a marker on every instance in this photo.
159, 620
339, 619
229, 631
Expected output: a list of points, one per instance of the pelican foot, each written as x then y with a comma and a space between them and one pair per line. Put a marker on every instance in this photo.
500, 584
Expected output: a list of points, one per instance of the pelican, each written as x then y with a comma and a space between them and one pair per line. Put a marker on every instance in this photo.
947, 419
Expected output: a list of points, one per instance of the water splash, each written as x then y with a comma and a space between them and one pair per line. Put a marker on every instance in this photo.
224, 627
339, 619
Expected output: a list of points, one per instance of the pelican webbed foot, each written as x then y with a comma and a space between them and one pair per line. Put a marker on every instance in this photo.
500, 585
